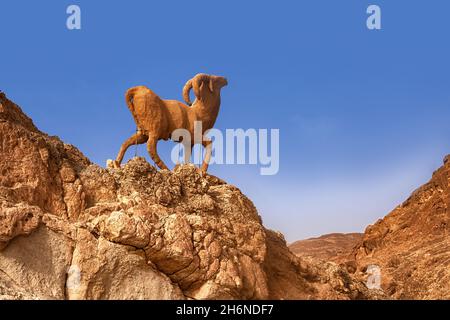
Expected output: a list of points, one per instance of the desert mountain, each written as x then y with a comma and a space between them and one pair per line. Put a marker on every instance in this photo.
327, 247
70, 229
411, 245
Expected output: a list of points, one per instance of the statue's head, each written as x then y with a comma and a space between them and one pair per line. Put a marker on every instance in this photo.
204, 86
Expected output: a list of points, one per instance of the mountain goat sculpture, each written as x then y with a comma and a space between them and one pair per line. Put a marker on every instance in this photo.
156, 119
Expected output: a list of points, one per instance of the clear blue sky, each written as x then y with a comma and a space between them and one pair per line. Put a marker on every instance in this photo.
363, 115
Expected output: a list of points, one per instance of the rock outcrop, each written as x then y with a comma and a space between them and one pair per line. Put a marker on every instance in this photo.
411, 245
328, 247
70, 229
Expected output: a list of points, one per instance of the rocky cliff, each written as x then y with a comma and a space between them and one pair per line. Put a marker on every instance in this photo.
70, 229
411, 245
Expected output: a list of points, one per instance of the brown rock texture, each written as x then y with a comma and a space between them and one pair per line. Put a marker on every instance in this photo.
328, 247
411, 245
70, 229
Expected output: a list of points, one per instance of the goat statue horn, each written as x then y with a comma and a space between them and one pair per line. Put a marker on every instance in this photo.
195, 84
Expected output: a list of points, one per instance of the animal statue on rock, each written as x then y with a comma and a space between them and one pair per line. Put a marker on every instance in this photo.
156, 119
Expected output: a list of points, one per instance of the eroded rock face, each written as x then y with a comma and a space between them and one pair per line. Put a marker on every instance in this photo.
204, 235
17, 219
70, 229
411, 245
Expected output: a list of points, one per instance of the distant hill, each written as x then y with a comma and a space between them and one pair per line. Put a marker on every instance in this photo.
327, 247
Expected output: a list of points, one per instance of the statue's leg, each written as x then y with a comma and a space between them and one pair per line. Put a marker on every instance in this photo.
151, 147
208, 147
137, 138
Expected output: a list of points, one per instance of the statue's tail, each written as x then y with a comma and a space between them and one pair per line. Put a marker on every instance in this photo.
129, 97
